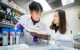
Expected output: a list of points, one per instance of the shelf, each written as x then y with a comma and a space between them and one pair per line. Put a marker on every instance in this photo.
8, 6
6, 25
2, 13
14, 18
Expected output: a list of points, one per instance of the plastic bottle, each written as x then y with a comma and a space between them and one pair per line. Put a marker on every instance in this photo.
12, 36
18, 32
5, 36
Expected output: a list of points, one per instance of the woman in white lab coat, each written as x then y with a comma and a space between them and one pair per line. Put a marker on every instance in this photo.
31, 23
60, 32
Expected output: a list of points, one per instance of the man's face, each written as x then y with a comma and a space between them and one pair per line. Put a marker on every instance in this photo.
36, 15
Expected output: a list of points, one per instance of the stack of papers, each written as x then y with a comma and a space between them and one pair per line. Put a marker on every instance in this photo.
37, 30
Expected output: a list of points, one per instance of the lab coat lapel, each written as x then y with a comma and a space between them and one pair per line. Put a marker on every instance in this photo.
36, 25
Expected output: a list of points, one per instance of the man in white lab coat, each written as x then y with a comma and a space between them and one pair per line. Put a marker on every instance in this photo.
31, 23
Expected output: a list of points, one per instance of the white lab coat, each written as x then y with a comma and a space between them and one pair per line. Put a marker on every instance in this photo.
60, 39
28, 24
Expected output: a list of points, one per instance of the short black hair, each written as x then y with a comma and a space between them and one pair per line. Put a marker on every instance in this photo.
36, 6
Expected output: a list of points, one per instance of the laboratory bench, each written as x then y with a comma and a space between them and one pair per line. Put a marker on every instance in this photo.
35, 47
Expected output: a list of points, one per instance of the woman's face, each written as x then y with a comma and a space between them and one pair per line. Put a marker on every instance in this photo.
56, 18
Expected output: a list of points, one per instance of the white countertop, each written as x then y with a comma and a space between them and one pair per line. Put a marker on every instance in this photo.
26, 47
15, 47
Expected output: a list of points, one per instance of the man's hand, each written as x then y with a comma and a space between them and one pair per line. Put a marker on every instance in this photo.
40, 36
34, 34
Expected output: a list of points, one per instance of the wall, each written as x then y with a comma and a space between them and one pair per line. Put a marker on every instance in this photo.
72, 18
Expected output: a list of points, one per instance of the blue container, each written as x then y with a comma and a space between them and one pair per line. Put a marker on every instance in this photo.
12, 30
18, 30
5, 29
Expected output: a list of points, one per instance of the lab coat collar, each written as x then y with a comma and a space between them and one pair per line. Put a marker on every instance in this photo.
36, 25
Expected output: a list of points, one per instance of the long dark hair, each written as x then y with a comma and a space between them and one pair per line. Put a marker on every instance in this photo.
62, 21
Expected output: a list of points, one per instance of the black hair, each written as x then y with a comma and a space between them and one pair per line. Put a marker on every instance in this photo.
36, 6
